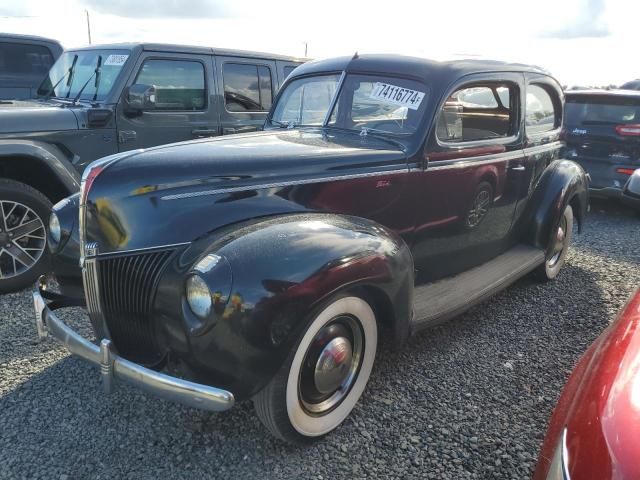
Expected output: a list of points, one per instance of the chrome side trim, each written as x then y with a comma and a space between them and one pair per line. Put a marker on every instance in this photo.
140, 250
543, 148
291, 183
112, 366
473, 161
498, 157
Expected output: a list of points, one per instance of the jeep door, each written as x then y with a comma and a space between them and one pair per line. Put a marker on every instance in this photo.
185, 105
471, 172
246, 88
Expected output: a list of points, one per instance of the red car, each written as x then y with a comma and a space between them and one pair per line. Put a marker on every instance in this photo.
595, 429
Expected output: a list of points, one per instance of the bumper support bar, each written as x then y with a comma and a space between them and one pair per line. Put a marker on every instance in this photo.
113, 366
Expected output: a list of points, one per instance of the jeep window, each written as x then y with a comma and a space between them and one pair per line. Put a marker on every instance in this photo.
584, 110
288, 69
68, 78
540, 116
25, 59
478, 112
306, 101
180, 84
247, 87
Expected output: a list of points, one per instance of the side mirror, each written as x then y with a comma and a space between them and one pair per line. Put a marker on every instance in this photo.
140, 98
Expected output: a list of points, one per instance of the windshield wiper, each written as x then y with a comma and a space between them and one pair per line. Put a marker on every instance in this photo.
96, 73
68, 72
291, 124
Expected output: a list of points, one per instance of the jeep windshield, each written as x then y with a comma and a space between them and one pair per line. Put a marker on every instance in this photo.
97, 69
362, 103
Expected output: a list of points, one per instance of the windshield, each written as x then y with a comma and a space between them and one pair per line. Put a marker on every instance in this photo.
602, 111
74, 69
365, 103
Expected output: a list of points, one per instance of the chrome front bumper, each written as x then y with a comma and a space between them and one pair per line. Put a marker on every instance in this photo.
113, 366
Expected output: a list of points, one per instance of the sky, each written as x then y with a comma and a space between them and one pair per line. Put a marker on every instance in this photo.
581, 42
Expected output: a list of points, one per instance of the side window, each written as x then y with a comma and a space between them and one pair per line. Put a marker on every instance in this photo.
25, 59
541, 114
478, 112
247, 88
288, 69
180, 85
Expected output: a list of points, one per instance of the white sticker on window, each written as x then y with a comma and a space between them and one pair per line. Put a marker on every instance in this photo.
404, 97
115, 60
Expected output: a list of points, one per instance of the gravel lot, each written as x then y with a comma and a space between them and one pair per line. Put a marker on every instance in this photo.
469, 399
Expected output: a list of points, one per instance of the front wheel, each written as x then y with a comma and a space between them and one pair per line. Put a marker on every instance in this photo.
323, 379
23, 211
557, 253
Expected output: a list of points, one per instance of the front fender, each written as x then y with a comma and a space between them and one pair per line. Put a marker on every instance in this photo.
562, 183
49, 158
284, 269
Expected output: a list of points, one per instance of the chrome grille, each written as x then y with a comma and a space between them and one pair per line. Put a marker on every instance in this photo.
127, 287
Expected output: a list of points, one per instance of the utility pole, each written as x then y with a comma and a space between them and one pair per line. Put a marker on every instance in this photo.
88, 25
305, 49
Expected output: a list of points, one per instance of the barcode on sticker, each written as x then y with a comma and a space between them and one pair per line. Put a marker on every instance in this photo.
404, 97
115, 60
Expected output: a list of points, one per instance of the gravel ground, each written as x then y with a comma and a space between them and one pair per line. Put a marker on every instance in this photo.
469, 399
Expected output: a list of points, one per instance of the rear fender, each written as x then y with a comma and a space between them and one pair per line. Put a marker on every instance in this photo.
562, 183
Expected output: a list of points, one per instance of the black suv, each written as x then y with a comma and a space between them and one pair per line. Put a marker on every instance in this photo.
106, 99
603, 135
24, 61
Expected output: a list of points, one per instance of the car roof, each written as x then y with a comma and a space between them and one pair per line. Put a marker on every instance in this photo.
191, 49
600, 92
413, 66
27, 38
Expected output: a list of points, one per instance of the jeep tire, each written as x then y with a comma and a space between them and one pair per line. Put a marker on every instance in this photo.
24, 212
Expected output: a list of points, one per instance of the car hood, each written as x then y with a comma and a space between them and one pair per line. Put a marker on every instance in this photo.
24, 116
178, 192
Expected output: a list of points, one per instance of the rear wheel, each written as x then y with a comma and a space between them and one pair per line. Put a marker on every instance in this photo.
322, 381
23, 212
557, 253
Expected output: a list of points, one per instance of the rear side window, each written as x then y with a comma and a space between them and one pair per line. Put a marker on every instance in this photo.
180, 85
25, 59
287, 70
541, 114
247, 88
478, 112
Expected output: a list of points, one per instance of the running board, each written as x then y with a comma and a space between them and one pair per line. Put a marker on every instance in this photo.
443, 299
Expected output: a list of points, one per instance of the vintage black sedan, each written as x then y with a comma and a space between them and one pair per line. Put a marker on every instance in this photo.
385, 195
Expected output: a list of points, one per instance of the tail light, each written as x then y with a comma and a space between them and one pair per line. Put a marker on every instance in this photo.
628, 130
625, 171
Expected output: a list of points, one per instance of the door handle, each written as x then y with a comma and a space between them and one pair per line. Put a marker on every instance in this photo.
204, 132
519, 168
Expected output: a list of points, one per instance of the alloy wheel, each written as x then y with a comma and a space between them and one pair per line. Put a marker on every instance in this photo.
22, 238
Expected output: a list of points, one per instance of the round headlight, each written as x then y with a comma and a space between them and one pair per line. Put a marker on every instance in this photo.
55, 232
198, 296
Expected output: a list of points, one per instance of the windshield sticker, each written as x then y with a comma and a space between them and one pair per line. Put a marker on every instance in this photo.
397, 95
115, 60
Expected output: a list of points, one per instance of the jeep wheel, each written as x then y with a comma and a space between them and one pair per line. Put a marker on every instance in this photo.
23, 211
323, 379
557, 253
